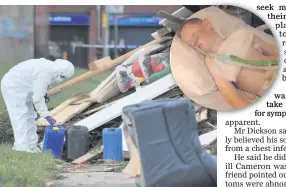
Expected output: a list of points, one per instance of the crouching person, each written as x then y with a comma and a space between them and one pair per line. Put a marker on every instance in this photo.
26, 85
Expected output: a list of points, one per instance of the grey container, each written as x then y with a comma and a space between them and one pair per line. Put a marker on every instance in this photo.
77, 141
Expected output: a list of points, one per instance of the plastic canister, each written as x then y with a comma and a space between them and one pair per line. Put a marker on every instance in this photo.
112, 144
77, 141
54, 140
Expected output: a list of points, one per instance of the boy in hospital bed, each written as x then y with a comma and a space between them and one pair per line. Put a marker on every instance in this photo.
238, 85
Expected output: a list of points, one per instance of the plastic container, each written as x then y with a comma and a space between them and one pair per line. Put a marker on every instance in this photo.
112, 144
159, 75
54, 140
77, 141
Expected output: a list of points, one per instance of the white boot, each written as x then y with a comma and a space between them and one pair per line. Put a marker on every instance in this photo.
41, 145
28, 149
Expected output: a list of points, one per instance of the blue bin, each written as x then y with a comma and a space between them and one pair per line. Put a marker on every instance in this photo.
54, 140
112, 144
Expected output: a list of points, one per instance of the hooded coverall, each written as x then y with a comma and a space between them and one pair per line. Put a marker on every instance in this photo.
24, 85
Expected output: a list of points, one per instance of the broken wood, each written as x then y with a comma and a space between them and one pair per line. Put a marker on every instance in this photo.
102, 84
88, 156
109, 91
70, 108
97, 109
66, 110
95, 64
76, 80
62, 106
134, 166
69, 112
99, 64
80, 99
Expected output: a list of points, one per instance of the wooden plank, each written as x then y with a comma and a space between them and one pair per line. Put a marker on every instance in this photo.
69, 112
72, 107
102, 84
88, 156
61, 106
109, 91
134, 166
78, 79
74, 81
92, 65
114, 110
94, 110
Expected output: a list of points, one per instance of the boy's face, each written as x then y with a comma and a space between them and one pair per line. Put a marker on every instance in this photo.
199, 35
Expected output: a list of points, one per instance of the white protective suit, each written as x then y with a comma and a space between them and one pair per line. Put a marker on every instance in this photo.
24, 85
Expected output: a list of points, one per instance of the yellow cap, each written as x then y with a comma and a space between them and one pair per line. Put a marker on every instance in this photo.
56, 128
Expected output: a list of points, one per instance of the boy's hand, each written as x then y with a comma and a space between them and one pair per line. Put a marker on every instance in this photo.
209, 63
226, 88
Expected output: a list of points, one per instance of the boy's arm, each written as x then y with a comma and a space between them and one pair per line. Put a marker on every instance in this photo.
267, 48
228, 91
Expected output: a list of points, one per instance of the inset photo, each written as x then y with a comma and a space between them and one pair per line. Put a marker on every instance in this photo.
223, 57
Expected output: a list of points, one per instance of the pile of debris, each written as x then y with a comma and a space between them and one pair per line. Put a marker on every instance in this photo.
141, 74
6, 131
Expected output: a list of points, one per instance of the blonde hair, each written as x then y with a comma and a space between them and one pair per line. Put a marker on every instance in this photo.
189, 21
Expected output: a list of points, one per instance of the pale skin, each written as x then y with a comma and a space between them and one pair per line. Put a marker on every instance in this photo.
201, 35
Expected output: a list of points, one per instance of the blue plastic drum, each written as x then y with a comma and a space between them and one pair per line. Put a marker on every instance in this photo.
112, 144
54, 140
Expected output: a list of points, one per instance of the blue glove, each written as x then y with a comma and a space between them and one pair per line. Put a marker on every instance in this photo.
51, 120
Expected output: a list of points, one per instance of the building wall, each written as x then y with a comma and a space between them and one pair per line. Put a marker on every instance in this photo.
91, 10
71, 8
128, 9
16, 33
42, 31
150, 9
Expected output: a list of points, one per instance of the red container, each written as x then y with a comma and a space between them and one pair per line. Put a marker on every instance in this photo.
137, 70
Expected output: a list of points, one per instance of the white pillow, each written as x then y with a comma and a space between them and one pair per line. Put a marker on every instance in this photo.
188, 67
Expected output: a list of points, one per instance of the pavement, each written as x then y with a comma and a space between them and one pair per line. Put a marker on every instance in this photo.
94, 177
